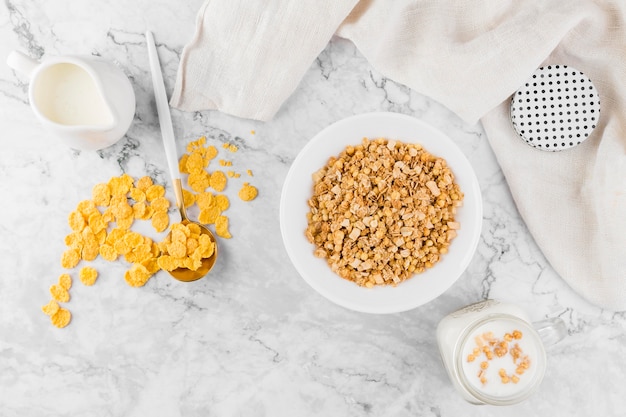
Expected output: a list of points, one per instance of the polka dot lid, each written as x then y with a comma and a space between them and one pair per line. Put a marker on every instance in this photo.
556, 109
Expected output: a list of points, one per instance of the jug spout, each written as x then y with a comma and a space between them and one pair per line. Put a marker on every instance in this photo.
22, 63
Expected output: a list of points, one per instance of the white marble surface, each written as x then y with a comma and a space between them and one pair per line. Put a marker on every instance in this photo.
254, 339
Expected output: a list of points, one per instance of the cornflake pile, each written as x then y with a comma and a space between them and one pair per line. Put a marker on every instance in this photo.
102, 226
488, 345
186, 247
382, 211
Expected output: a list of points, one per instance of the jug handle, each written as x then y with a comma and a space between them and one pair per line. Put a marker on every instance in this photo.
22, 63
551, 330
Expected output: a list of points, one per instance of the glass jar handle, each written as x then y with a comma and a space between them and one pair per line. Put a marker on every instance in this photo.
551, 330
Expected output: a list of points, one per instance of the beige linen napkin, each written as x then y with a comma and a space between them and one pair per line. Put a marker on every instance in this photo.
247, 57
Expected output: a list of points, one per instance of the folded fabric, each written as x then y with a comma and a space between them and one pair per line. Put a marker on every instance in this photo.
246, 58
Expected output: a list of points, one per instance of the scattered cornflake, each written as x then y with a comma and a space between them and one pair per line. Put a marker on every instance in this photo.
76, 220
191, 245
195, 162
218, 181
120, 207
88, 275
107, 215
167, 263
61, 318
96, 222
160, 221
181, 231
199, 181
101, 194
108, 252
51, 308
138, 195
120, 186
222, 202
74, 241
205, 200
252, 132
189, 198
210, 153
121, 247
140, 252
144, 183
154, 191
191, 228
139, 210
137, 275
177, 249
86, 207
147, 215
196, 145
160, 204
209, 215
151, 265
70, 258
182, 164
221, 227
65, 281
206, 246
249, 172
59, 293
91, 250
115, 235
248, 192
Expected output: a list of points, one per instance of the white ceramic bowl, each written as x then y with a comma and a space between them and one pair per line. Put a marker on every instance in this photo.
298, 189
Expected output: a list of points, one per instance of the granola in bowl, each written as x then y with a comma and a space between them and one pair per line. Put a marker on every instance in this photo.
382, 211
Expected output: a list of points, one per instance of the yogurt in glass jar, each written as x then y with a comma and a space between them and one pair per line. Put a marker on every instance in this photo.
492, 352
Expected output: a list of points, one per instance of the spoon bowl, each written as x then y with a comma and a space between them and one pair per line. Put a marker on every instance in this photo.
185, 274
188, 275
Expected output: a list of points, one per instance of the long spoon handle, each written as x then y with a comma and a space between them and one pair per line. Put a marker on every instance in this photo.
165, 120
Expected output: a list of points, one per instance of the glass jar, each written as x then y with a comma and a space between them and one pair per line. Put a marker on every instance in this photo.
493, 353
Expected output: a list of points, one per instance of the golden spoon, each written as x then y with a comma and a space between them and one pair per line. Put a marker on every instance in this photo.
167, 133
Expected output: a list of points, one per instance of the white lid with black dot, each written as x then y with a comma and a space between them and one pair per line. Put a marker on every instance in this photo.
556, 109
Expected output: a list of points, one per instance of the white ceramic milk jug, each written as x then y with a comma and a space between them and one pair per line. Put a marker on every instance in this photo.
87, 102
493, 353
